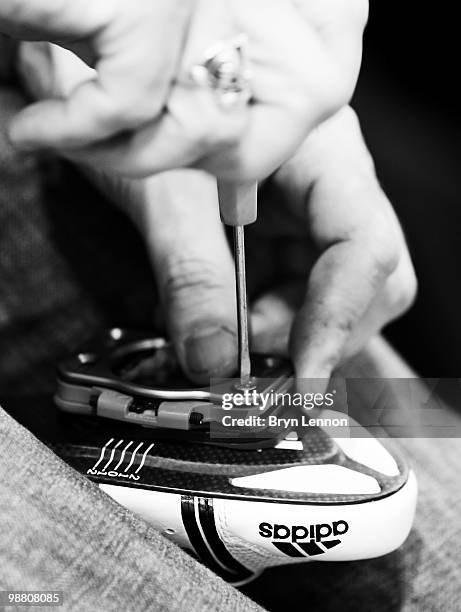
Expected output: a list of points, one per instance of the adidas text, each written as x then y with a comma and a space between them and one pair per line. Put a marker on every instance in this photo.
297, 533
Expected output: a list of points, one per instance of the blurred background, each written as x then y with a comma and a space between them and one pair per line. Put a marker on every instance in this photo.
408, 102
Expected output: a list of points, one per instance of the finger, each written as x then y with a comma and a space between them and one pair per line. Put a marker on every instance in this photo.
133, 75
48, 70
194, 271
360, 243
341, 288
394, 299
177, 141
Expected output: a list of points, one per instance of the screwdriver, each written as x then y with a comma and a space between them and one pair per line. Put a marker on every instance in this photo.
238, 205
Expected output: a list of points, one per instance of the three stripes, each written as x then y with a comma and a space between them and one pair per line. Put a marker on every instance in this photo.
305, 549
199, 523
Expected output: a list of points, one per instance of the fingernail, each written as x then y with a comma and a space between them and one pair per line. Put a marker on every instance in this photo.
211, 351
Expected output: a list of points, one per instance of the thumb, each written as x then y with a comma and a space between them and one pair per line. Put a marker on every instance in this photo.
193, 264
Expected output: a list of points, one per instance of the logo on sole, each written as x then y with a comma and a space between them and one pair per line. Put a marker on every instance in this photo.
120, 461
304, 540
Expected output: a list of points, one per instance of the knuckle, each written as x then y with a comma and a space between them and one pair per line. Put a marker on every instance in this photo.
379, 233
332, 92
404, 296
384, 254
351, 122
337, 89
382, 246
407, 296
339, 92
189, 280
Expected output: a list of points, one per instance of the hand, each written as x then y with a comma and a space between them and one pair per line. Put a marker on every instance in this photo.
304, 59
324, 224
327, 262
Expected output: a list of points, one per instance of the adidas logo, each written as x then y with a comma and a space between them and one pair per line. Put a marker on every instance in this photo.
304, 540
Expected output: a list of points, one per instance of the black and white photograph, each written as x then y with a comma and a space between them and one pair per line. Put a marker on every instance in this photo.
230, 297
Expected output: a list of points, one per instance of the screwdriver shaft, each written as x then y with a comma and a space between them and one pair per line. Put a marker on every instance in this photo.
242, 307
238, 206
